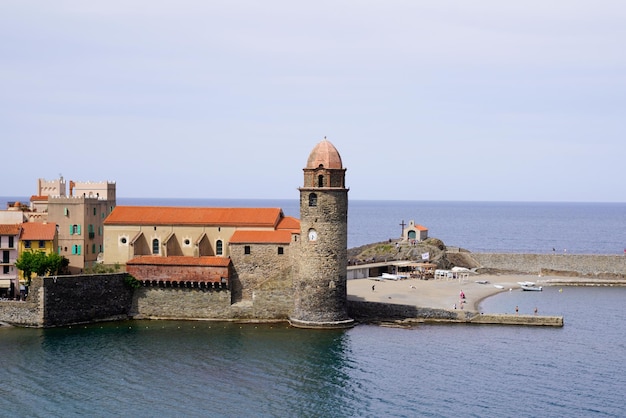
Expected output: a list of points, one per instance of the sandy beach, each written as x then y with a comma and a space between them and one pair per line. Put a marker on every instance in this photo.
438, 294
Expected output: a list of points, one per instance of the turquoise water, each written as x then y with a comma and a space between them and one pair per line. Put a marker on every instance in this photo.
171, 368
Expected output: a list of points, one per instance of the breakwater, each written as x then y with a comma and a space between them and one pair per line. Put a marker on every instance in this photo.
609, 266
398, 314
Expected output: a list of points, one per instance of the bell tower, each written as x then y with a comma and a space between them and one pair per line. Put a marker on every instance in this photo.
320, 288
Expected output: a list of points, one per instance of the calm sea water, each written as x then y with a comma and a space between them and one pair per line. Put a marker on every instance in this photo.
172, 368
199, 369
514, 227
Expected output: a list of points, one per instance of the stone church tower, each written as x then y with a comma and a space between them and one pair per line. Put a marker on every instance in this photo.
320, 293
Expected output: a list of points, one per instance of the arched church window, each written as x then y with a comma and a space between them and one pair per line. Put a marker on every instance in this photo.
155, 246
219, 247
312, 199
320, 181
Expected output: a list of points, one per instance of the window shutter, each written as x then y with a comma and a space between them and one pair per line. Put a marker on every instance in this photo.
78, 229
71, 229
78, 249
73, 249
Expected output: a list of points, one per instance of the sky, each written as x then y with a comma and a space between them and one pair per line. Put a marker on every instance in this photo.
425, 100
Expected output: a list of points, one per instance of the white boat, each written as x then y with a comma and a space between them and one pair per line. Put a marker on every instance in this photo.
498, 286
532, 287
389, 276
526, 283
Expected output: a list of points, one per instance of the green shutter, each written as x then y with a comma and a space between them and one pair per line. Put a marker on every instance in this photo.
71, 229
78, 249
73, 249
78, 229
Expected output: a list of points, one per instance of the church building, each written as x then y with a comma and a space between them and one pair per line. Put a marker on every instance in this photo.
242, 263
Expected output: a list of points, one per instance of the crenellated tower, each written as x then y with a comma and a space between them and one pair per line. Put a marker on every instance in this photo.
320, 290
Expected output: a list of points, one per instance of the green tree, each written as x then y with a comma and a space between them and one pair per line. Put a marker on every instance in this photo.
39, 263
56, 263
25, 262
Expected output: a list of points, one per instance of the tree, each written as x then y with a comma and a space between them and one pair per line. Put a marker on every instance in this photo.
38, 262
56, 263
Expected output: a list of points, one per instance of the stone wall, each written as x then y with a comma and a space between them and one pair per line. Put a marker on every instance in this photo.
182, 303
65, 300
24, 313
591, 265
85, 298
263, 278
376, 311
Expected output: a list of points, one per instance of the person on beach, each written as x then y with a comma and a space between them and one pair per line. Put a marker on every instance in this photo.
373, 287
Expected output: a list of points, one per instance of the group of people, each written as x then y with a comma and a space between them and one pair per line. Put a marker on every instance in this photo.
461, 300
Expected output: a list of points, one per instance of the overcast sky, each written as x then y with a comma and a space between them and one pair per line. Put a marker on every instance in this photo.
425, 100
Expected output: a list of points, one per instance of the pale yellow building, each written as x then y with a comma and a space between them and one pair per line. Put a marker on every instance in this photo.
79, 214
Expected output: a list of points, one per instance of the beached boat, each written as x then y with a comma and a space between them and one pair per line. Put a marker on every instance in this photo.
389, 276
531, 287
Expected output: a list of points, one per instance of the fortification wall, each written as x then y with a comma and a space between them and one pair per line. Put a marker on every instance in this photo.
263, 277
376, 311
85, 298
65, 300
591, 265
20, 314
182, 303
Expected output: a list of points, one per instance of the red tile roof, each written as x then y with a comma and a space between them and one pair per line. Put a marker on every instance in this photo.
421, 228
290, 223
38, 231
169, 215
261, 237
180, 261
34, 198
13, 229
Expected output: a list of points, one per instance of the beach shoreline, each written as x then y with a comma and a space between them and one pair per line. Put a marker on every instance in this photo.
446, 293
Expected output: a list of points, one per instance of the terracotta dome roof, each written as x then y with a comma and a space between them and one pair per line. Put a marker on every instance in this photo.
324, 154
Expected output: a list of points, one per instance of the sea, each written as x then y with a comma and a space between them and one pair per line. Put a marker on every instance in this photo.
220, 369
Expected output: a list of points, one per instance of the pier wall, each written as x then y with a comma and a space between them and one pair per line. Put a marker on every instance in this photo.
407, 314
571, 264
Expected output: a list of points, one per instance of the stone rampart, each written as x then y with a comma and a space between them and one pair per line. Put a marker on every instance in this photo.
209, 304
65, 300
181, 303
85, 298
572, 264
375, 311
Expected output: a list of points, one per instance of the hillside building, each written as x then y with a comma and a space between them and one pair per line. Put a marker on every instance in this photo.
414, 232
